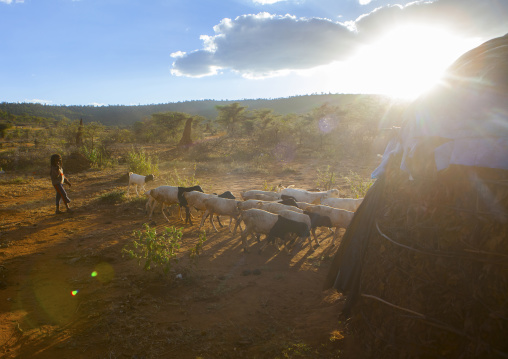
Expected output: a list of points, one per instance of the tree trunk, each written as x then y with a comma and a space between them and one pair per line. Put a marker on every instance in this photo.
79, 135
186, 136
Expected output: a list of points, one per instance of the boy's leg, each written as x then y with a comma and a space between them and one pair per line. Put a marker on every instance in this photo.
61, 194
58, 198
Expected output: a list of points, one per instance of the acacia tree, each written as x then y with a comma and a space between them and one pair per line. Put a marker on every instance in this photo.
93, 131
230, 115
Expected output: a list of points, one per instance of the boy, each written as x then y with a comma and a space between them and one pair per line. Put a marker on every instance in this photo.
58, 179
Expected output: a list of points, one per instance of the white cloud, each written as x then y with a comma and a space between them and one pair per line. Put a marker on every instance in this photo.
265, 45
6, 1
96, 104
10, 1
364, 2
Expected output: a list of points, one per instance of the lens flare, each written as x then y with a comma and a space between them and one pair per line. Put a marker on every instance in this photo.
74, 292
106, 270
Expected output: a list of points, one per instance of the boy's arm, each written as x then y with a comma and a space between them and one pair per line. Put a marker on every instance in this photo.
67, 181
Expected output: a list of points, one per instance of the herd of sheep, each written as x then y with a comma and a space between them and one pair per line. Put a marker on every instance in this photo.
279, 215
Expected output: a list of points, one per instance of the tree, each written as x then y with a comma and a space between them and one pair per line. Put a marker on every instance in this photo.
93, 130
230, 115
79, 135
3, 128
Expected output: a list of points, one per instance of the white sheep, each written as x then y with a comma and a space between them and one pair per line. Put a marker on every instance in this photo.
334, 217
261, 195
169, 195
301, 195
304, 205
196, 200
166, 195
349, 204
138, 180
221, 207
272, 225
275, 207
272, 207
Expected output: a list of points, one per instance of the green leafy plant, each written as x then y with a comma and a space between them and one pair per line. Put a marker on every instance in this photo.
155, 250
140, 162
296, 350
273, 188
97, 156
176, 179
326, 178
195, 251
358, 185
113, 197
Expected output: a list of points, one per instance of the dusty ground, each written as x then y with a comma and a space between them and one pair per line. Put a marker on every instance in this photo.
231, 305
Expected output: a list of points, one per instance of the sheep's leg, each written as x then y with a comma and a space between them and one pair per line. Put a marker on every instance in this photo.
313, 230
203, 218
164, 214
336, 234
231, 221
286, 248
263, 246
238, 224
136, 187
188, 217
149, 203
152, 207
218, 220
211, 221
243, 238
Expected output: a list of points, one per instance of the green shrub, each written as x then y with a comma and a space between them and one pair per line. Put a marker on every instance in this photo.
17, 180
176, 179
195, 251
326, 178
97, 157
113, 197
156, 250
140, 162
358, 185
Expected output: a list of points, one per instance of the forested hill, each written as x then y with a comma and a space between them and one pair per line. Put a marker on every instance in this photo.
119, 115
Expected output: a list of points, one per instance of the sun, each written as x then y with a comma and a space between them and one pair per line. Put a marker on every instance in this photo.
407, 60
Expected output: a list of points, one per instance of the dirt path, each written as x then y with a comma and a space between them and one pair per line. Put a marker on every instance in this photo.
231, 305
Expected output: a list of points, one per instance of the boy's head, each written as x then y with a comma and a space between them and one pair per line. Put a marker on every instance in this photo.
56, 159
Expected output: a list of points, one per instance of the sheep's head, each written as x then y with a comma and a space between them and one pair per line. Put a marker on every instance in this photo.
149, 178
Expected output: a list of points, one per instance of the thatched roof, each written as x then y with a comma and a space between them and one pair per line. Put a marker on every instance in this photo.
424, 262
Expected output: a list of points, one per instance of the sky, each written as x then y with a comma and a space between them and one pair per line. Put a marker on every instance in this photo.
137, 52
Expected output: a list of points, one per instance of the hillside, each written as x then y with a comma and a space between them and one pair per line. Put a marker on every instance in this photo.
119, 115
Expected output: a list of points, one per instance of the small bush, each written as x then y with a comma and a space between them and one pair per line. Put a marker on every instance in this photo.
176, 179
142, 163
195, 251
95, 156
113, 197
326, 178
272, 188
17, 180
156, 250
358, 186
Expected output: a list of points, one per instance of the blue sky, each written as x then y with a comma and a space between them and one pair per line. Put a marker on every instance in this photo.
130, 52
